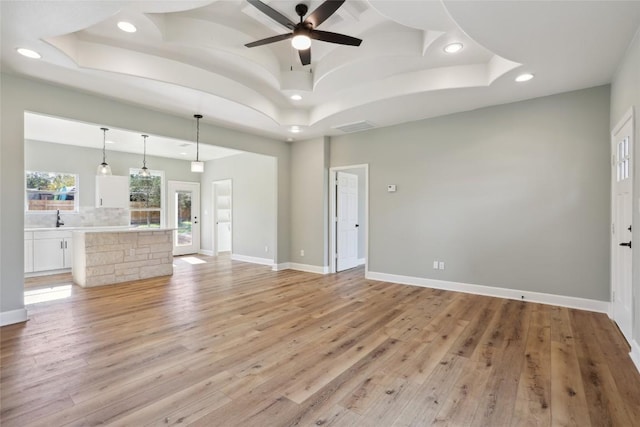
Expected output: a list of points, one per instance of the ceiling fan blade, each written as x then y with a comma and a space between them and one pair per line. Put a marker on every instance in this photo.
305, 56
273, 14
269, 40
324, 11
327, 36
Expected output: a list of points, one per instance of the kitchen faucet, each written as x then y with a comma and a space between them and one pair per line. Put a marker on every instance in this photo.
59, 222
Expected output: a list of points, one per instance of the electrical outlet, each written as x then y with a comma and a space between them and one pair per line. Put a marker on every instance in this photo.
301, 252
441, 265
435, 265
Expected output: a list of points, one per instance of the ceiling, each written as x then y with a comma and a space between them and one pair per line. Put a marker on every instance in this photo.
38, 127
189, 57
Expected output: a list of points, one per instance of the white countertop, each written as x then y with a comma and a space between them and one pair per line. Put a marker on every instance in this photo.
63, 228
121, 230
118, 229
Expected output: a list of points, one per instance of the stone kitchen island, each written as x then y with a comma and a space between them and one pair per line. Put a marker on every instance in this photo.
105, 257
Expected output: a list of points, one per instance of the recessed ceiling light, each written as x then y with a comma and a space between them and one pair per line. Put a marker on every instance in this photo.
127, 27
294, 129
108, 142
453, 47
28, 53
184, 154
296, 97
524, 77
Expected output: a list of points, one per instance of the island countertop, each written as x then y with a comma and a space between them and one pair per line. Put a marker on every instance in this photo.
105, 257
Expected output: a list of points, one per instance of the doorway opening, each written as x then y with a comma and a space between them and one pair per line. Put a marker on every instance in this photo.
222, 216
349, 217
184, 216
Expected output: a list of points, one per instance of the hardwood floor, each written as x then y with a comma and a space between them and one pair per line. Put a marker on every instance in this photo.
226, 343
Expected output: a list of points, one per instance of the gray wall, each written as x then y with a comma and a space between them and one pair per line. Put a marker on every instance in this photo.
20, 95
309, 198
513, 196
625, 93
254, 202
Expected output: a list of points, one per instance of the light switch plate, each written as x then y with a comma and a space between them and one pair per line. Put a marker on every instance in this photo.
391, 188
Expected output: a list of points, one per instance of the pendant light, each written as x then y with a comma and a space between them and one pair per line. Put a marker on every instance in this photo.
197, 166
144, 172
104, 168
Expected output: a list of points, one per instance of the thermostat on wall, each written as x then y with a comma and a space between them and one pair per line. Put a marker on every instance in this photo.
391, 188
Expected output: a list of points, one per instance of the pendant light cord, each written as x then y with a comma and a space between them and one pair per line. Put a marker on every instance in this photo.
144, 158
104, 145
198, 117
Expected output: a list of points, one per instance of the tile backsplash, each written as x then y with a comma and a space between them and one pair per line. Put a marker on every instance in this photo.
87, 217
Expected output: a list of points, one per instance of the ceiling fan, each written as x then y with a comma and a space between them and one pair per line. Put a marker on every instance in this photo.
305, 30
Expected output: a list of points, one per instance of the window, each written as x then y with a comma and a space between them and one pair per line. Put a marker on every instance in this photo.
146, 199
51, 191
623, 159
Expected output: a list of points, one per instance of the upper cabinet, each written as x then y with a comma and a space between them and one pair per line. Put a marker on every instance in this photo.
112, 191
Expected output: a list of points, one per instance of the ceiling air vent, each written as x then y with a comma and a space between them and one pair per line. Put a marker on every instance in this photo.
355, 127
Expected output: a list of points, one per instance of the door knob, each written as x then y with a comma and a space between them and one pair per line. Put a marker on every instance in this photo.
626, 244
357, 225
629, 228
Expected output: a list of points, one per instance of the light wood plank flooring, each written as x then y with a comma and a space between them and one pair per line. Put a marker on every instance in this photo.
226, 343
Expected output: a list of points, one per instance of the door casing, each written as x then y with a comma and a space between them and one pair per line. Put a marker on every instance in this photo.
332, 214
621, 288
173, 187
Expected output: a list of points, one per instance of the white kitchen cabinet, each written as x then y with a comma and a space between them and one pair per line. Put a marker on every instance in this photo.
52, 250
28, 252
112, 191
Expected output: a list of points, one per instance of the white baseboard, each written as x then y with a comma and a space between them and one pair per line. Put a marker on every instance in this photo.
13, 316
538, 297
362, 261
281, 266
205, 252
252, 259
309, 268
47, 272
635, 354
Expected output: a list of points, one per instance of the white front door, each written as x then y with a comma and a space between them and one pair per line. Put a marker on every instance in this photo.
222, 231
621, 247
184, 216
347, 221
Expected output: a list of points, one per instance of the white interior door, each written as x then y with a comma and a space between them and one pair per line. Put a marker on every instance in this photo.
621, 247
347, 221
184, 216
222, 198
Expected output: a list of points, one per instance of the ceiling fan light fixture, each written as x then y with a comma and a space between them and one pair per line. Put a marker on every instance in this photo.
453, 47
301, 42
296, 97
127, 27
295, 129
525, 77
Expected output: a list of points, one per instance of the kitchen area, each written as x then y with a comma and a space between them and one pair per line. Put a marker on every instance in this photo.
90, 228
108, 252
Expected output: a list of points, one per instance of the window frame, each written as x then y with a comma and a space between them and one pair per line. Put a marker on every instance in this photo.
76, 195
161, 209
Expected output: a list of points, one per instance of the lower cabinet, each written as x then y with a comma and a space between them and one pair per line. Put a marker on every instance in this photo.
52, 250
28, 252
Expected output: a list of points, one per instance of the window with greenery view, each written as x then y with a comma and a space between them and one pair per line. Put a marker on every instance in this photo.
145, 199
51, 191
